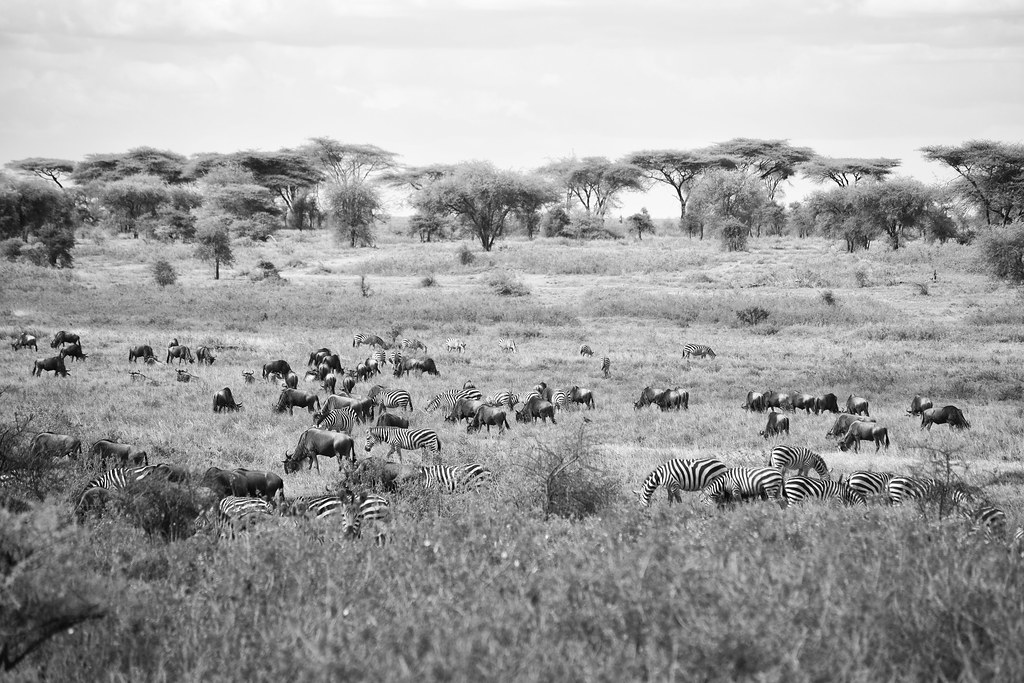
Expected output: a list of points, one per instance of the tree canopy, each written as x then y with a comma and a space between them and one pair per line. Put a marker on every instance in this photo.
772, 161
991, 176
345, 163
679, 169
594, 182
45, 168
847, 171
166, 165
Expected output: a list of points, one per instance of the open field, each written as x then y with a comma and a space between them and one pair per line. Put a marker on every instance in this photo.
483, 586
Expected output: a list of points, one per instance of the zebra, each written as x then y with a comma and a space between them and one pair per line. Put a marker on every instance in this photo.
800, 488
236, 513
409, 439
390, 398
606, 365
360, 338
585, 350
559, 398
503, 398
680, 475
380, 357
742, 483
366, 508
414, 344
454, 344
901, 488
988, 516
698, 350
508, 345
459, 477
870, 483
446, 400
116, 479
313, 507
798, 458
338, 420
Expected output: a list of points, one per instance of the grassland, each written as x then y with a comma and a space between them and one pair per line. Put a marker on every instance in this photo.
487, 587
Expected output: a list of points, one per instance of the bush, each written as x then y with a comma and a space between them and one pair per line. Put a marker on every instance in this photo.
586, 226
34, 253
164, 273
571, 486
828, 298
464, 255
504, 283
734, 235
1003, 254
429, 281
862, 278
753, 315
164, 509
10, 249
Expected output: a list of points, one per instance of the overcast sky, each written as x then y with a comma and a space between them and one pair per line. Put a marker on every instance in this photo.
517, 82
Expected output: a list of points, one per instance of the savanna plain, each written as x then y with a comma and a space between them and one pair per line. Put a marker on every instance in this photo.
552, 572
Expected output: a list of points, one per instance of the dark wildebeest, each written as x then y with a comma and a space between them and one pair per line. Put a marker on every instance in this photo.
333, 361
666, 400
423, 365
464, 409
803, 402
581, 396
774, 399
184, 376
281, 367
205, 355
290, 398
182, 353
533, 408
392, 420
754, 402
314, 442
143, 351
374, 470
73, 350
777, 424
488, 415
172, 473
855, 405
54, 364
843, 422
827, 403
122, 452
56, 445
243, 482
316, 357
544, 391
290, 381
919, 405
223, 400
25, 339
864, 431
62, 338
950, 415
249, 376
364, 408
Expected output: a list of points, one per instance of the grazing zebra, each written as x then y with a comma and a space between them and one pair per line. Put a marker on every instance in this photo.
901, 488
446, 400
992, 518
380, 357
606, 365
585, 350
409, 439
559, 398
800, 488
338, 420
414, 344
313, 507
508, 345
503, 398
454, 344
237, 513
460, 477
360, 338
698, 350
870, 483
366, 508
390, 398
742, 483
680, 475
798, 458
116, 479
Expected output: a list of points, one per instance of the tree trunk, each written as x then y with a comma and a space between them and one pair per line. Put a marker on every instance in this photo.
216, 267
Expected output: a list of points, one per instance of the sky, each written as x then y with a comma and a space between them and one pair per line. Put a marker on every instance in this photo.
516, 82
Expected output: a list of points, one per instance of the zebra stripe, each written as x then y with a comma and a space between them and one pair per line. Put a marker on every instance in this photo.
798, 458
380, 357
409, 439
742, 483
313, 507
798, 488
559, 399
454, 344
446, 400
697, 350
236, 513
366, 508
508, 345
585, 350
119, 478
990, 517
338, 420
901, 488
680, 475
459, 477
503, 398
414, 344
870, 483
361, 338
606, 365
390, 398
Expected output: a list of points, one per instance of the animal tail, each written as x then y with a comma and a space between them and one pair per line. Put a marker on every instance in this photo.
886, 438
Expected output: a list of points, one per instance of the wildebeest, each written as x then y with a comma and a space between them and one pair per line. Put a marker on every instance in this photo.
290, 381
544, 391
243, 482
364, 408
205, 355
803, 402
855, 405
281, 367
581, 396
73, 350
864, 431
827, 403
777, 424
392, 420
290, 398
55, 445
223, 400
184, 376
489, 415
374, 470
950, 415
754, 402
63, 337
423, 365
182, 353
54, 364
25, 339
533, 408
143, 351
316, 357
332, 361
775, 399
249, 376
124, 453
172, 473
919, 405
314, 442
843, 422
464, 409
666, 400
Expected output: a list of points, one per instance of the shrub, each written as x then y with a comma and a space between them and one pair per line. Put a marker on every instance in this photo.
34, 253
753, 315
164, 273
164, 509
922, 288
464, 255
1003, 254
861, 277
10, 249
734, 235
828, 298
571, 485
364, 287
504, 283
429, 281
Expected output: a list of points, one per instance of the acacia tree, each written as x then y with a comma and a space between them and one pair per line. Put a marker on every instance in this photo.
129, 199
354, 209
147, 161
31, 208
897, 206
45, 168
847, 171
244, 205
594, 182
679, 169
347, 164
213, 242
991, 176
288, 174
640, 223
771, 161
